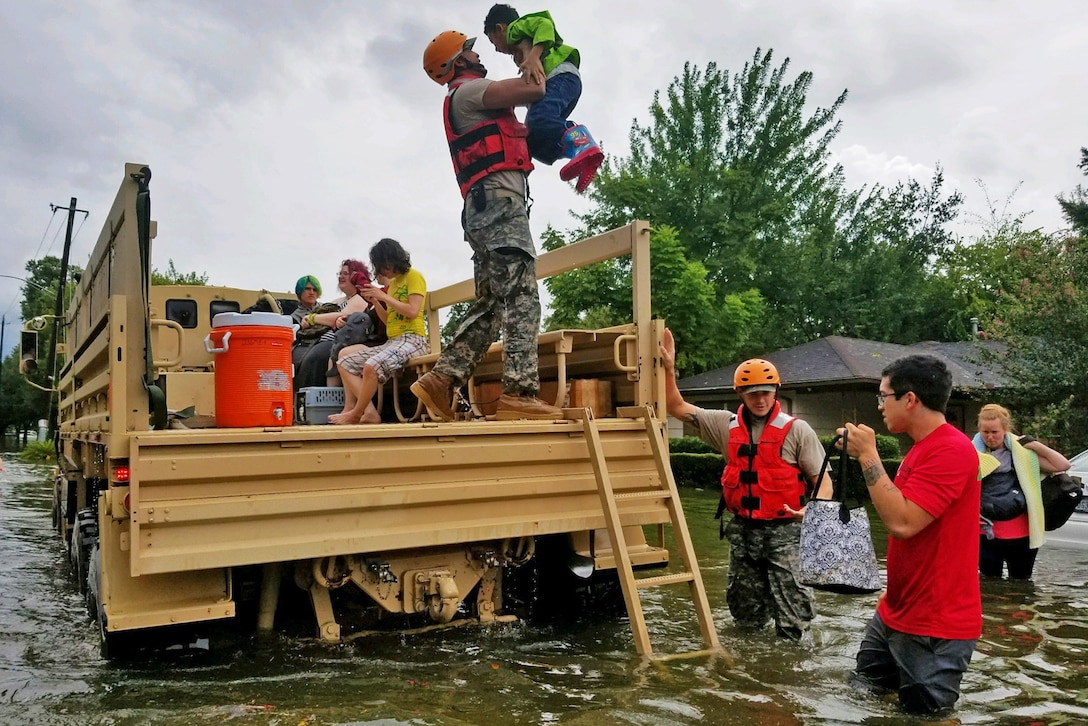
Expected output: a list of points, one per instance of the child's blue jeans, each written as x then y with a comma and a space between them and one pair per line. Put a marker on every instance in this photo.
547, 118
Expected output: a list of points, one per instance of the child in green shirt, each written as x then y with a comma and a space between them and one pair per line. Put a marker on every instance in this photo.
542, 57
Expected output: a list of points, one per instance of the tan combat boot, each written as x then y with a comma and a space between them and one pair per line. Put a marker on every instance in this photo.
513, 408
436, 391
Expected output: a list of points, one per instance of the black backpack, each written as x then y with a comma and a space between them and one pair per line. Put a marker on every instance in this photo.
1061, 495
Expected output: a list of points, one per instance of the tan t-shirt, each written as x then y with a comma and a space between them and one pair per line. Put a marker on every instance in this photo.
467, 110
802, 448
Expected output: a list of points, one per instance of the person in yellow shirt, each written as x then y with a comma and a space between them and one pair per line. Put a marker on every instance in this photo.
364, 368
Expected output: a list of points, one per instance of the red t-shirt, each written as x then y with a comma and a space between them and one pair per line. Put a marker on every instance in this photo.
933, 585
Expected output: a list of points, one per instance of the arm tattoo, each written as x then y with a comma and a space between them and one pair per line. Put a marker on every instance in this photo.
692, 419
873, 472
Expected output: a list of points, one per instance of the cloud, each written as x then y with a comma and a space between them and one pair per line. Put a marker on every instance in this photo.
285, 136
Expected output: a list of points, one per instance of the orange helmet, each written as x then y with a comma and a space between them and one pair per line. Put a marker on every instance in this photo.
756, 372
441, 52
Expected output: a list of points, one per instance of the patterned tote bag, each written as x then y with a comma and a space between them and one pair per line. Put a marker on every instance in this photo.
836, 545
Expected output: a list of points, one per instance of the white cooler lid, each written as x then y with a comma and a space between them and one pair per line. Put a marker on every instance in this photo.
223, 320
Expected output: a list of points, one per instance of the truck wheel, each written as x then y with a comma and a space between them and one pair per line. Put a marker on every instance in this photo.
94, 567
84, 536
111, 646
58, 515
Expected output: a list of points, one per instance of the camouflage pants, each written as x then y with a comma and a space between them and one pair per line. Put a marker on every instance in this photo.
507, 300
763, 577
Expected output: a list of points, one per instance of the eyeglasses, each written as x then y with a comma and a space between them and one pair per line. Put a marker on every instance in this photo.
342, 274
881, 396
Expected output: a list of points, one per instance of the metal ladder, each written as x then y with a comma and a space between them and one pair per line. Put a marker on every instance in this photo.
610, 501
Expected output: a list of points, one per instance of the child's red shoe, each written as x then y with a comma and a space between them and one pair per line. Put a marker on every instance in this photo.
593, 161
583, 152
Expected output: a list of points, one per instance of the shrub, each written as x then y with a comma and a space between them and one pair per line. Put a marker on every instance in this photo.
698, 471
690, 445
38, 451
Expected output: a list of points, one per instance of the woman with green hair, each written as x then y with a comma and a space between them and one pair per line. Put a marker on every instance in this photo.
307, 289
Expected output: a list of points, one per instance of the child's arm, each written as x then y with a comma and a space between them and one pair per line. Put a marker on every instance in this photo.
528, 60
532, 36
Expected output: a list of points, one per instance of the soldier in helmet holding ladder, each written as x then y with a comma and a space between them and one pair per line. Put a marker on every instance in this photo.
771, 460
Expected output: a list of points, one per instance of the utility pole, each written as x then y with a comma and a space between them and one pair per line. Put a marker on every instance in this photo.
59, 308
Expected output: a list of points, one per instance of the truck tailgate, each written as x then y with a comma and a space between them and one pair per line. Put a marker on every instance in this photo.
224, 497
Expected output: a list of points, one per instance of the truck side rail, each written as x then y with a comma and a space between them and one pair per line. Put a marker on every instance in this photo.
631, 240
306, 492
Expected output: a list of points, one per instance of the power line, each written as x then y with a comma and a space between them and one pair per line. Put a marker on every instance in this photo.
45, 232
47, 226
56, 234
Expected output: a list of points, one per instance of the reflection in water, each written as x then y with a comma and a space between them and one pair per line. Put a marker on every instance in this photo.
1030, 666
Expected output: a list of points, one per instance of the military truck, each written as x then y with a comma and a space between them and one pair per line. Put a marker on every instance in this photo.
172, 525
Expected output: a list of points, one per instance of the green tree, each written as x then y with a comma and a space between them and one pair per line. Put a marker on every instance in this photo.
731, 162
875, 276
40, 299
40, 289
738, 167
1075, 206
21, 405
600, 296
173, 277
1039, 294
455, 315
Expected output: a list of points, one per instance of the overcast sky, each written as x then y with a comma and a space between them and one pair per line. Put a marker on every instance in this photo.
285, 136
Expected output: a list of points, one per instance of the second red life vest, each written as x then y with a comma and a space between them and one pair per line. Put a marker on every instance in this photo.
757, 483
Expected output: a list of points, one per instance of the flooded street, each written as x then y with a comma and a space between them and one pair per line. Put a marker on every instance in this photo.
1031, 666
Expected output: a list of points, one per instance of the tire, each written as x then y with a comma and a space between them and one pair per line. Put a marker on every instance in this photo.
58, 516
84, 538
112, 646
94, 585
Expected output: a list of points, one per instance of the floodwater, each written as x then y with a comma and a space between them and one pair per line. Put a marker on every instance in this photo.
1031, 666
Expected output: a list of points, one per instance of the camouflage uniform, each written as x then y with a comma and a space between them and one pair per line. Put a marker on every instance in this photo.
764, 560
507, 300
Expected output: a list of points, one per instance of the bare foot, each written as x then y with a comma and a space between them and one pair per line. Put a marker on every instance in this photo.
371, 417
343, 418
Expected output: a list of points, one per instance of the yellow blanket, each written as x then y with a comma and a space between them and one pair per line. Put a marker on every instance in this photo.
1026, 465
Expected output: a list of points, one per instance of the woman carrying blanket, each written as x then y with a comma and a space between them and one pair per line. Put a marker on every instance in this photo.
1012, 506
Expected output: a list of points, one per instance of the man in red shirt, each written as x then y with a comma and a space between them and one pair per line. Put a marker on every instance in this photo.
923, 633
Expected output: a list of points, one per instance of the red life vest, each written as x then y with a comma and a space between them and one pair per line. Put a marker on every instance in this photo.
756, 482
498, 144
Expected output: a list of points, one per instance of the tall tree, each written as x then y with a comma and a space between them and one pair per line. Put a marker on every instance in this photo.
40, 288
732, 163
1041, 311
874, 276
739, 167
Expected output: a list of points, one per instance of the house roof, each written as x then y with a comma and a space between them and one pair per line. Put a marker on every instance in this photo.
837, 360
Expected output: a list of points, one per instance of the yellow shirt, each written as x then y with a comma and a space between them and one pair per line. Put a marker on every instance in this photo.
401, 288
